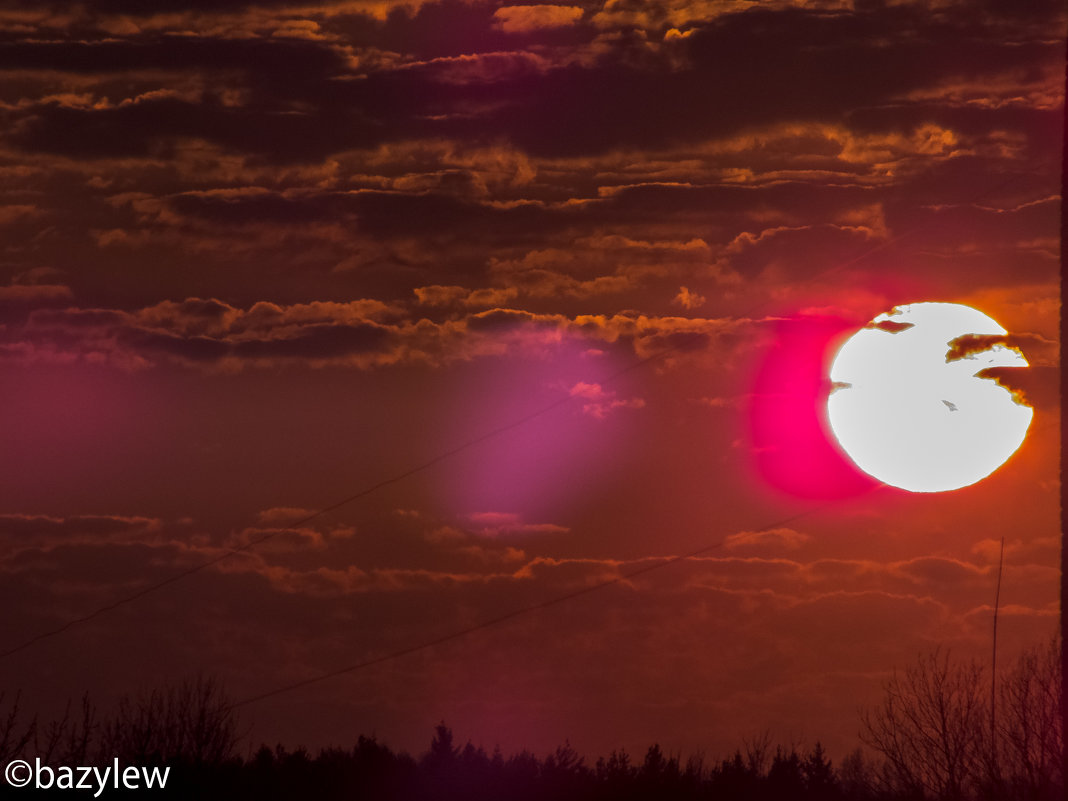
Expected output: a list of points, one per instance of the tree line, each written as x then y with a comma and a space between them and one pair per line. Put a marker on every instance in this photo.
944, 731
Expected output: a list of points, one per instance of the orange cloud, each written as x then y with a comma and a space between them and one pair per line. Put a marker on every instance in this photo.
46, 532
469, 298
688, 299
525, 19
773, 539
493, 524
599, 403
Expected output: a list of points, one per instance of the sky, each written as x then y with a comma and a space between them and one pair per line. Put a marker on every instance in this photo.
258, 257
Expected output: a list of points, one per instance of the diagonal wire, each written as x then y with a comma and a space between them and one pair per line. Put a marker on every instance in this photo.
457, 634
545, 604
680, 343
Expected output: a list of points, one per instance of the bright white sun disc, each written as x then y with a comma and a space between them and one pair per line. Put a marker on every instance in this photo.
910, 417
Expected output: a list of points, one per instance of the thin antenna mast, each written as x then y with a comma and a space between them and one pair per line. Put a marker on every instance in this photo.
994, 659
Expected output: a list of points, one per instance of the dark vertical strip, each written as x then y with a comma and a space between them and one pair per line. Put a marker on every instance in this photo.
1064, 436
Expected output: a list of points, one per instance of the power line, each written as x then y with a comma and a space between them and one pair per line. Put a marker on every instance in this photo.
680, 343
559, 599
294, 527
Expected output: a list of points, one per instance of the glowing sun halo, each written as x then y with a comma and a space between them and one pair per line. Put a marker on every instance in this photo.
910, 415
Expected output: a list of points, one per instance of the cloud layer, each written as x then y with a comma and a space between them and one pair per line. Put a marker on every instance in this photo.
257, 256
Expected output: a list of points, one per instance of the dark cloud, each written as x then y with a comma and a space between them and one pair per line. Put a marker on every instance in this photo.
500, 320
678, 341
890, 327
937, 572
267, 208
639, 202
967, 345
151, 126
478, 230
450, 28
799, 250
1037, 11
209, 310
359, 334
35, 295
153, 7
1035, 386
319, 341
431, 30
743, 70
287, 60
29, 538
197, 349
396, 214
381, 215
1040, 124
75, 318
21, 525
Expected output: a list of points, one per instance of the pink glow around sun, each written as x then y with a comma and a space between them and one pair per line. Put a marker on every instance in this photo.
792, 444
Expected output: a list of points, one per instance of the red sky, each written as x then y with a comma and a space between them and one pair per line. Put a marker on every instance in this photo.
258, 256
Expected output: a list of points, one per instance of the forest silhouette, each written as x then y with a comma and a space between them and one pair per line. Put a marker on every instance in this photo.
933, 737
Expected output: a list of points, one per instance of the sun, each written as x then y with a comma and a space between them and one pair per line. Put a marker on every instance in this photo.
908, 403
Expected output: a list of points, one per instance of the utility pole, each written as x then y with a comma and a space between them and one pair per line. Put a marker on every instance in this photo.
994, 667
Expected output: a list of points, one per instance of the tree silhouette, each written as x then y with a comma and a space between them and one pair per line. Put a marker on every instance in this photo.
659, 775
784, 779
856, 776
821, 784
933, 729
67, 741
1030, 729
930, 726
15, 734
191, 722
736, 778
